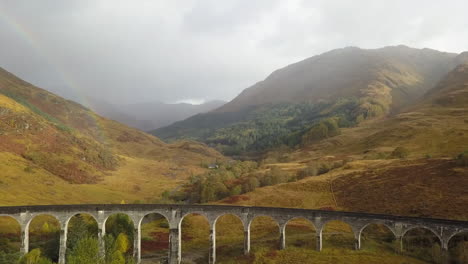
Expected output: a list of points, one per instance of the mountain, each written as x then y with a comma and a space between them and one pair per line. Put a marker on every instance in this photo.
312, 99
56, 151
397, 74
427, 181
452, 91
150, 116
436, 125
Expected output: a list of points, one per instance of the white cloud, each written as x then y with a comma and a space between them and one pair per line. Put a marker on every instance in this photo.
192, 101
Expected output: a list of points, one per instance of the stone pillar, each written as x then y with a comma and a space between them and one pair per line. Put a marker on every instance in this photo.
247, 241
212, 256
137, 245
444, 257
24, 239
63, 245
282, 237
357, 241
318, 242
399, 244
102, 243
175, 249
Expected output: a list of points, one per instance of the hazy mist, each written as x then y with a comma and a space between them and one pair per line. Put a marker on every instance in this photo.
173, 51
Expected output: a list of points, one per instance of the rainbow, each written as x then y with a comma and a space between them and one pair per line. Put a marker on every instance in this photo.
29, 37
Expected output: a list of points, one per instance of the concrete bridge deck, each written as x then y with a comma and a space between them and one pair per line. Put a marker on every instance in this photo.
443, 229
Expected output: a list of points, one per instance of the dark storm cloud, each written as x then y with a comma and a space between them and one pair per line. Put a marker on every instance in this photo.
131, 51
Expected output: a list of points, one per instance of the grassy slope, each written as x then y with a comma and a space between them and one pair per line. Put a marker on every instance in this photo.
437, 126
400, 71
415, 186
47, 143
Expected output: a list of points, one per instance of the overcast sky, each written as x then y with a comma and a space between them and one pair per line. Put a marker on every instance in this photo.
128, 51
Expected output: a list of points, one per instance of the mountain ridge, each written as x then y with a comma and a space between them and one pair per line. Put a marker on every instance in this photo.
377, 57
339, 88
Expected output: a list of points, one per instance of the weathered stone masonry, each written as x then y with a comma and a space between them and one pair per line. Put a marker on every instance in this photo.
443, 229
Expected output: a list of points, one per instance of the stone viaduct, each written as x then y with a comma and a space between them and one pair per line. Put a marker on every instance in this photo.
444, 230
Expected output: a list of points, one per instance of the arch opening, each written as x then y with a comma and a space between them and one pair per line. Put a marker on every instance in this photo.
458, 248
119, 238
44, 236
82, 235
338, 234
229, 237
300, 232
10, 239
422, 243
195, 234
264, 233
154, 237
378, 237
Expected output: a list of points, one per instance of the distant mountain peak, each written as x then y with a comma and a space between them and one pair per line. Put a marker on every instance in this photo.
345, 72
152, 115
342, 87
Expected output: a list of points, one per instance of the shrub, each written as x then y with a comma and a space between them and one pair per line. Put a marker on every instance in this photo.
338, 164
28, 169
250, 185
113, 254
117, 258
86, 250
7, 246
462, 159
34, 257
316, 133
310, 170
277, 175
8, 258
236, 190
122, 243
400, 152
324, 168
381, 155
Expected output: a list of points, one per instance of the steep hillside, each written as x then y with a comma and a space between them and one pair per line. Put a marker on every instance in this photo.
43, 136
437, 125
149, 116
422, 179
310, 100
397, 74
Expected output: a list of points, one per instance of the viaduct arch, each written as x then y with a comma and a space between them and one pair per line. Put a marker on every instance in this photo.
399, 225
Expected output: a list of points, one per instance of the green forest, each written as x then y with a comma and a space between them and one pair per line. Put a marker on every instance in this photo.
264, 127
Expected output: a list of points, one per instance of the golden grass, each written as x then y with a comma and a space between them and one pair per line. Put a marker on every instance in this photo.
63, 140
137, 179
11, 104
327, 256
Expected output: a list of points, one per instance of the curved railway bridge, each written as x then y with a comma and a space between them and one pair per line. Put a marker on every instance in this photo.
444, 230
